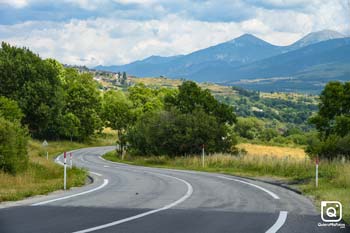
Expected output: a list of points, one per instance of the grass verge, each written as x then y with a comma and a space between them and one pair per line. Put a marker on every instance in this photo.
334, 183
44, 176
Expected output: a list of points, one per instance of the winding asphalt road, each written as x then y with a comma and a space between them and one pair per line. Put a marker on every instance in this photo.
130, 199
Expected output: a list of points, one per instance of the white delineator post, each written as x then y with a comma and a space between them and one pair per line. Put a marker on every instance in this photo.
45, 144
317, 162
203, 155
71, 160
65, 171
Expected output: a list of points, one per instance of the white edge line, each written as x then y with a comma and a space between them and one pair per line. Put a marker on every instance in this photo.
105, 182
59, 162
282, 215
182, 199
95, 173
273, 229
254, 185
82, 159
100, 156
279, 223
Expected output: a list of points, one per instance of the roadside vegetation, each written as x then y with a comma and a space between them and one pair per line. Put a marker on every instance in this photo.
40, 99
43, 176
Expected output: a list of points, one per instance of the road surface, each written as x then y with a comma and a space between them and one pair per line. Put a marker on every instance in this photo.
130, 199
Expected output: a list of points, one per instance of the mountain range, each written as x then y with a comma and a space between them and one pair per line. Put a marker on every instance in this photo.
250, 62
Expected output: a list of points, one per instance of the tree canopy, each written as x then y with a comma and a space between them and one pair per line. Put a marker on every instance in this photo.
190, 118
332, 122
191, 97
48, 95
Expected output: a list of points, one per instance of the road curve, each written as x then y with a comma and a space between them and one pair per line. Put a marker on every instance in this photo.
130, 199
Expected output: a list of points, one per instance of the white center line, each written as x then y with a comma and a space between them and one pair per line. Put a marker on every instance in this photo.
279, 223
182, 199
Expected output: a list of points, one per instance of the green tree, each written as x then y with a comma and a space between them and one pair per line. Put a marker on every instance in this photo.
190, 118
191, 97
70, 126
268, 134
250, 127
117, 110
174, 133
13, 146
145, 99
84, 101
332, 122
10, 110
118, 114
334, 103
34, 83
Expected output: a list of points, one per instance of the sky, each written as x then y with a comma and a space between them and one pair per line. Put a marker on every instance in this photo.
114, 32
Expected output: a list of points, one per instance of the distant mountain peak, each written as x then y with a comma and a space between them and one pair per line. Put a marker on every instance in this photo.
248, 39
246, 36
315, 37
248, 56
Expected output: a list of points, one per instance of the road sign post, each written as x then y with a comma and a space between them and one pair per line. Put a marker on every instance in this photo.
65, 171
316, 181
71, 160
203, 155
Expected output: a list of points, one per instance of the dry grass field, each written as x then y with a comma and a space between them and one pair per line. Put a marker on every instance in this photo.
273, 151
158, 82
294, 97
174, 83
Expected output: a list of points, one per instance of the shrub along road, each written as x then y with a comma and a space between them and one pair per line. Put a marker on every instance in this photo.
127, 198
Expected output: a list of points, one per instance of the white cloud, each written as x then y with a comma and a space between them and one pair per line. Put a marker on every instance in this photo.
117, 40
113, 41
135, 1
15, 3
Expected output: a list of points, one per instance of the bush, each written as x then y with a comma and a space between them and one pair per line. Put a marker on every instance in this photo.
13, 146
173, 133
330, 148
10, 110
